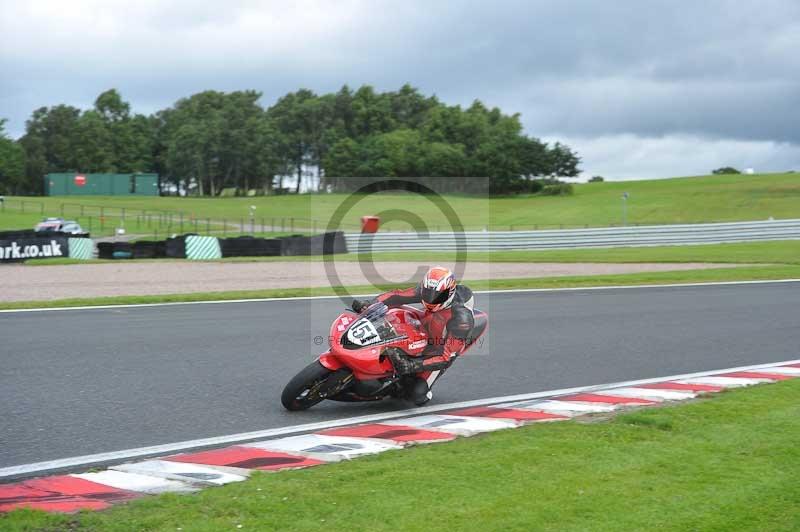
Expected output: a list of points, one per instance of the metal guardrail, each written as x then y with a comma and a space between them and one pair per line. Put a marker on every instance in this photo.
713, 233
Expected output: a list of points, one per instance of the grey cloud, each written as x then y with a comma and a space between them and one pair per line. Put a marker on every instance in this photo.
717, 70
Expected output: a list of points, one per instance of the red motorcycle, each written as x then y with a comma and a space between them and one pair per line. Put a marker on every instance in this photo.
356, 367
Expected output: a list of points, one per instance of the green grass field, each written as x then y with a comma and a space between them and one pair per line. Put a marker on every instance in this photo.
775, 252
728, 462
678, 200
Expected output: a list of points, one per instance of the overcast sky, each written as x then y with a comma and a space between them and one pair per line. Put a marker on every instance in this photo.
639, 88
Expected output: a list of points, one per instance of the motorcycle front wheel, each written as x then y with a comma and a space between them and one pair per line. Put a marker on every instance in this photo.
302, 391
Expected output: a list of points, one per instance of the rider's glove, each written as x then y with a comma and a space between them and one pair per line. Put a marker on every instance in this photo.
358, 305
402, 363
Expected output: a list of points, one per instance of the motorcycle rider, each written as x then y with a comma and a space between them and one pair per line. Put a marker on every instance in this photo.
448, 320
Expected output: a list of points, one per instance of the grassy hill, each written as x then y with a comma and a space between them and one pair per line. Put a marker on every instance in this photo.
677, 200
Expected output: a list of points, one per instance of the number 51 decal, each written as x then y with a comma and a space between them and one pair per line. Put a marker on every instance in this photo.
363, 333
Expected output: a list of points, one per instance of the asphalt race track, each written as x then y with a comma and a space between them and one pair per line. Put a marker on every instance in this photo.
89, 381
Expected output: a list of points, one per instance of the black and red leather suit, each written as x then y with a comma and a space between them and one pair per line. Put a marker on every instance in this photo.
448, 329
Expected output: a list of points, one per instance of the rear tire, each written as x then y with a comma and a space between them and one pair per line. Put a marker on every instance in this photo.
302, 391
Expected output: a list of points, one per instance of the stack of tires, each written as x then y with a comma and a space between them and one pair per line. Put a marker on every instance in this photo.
295, 245
175, 248
146, 249
243, 246
248, 246
324, 244
22, 234
115, 250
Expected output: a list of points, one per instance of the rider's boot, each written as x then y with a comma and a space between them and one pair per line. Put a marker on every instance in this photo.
420, 392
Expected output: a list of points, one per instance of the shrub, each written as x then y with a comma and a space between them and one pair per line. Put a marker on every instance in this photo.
534, 187
596, 179
561, 189
725, 170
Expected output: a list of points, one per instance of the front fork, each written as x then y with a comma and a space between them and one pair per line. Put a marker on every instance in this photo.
336, 382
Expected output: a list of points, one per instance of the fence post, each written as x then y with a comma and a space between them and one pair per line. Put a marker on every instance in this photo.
252, 225
262, 225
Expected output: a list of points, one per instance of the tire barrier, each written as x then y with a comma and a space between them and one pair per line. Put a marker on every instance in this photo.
115, 250
122, 250
16, 246
81, 248
148, 249
29, 244
176, 247
295, 245
324, 244
15, 249
105, 250
16, 235
202, 248
248, 246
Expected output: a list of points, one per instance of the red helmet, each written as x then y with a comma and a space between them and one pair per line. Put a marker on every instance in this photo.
437, 289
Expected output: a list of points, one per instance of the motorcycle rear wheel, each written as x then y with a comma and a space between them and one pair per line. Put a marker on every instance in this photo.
302, 392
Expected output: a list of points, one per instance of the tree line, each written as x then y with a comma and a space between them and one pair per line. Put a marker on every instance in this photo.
212, 141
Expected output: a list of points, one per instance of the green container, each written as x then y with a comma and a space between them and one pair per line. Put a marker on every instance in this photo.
75, 184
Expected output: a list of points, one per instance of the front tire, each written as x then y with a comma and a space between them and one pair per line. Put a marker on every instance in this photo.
302, 392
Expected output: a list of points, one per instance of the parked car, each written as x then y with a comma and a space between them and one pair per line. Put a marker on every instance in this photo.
59, 225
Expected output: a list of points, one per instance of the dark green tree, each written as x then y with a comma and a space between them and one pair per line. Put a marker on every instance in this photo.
563, 162
12, 164
213, 140
725, 170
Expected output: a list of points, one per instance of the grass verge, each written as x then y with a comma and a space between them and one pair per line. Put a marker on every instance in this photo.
743, 273
777, 252
730, 462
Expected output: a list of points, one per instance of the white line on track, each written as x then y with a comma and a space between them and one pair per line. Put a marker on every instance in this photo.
39, 468
305, 298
